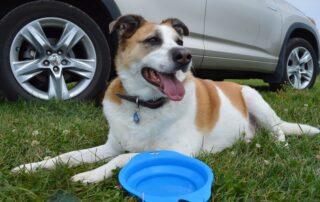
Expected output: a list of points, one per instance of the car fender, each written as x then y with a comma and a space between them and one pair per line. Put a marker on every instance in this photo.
277, 76
112, 7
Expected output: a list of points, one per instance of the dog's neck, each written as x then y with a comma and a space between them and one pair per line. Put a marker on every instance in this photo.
151, 104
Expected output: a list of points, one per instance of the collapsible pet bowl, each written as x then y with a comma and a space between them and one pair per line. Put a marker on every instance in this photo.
166, 176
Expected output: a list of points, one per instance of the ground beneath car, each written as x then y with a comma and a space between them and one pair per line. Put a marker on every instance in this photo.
261, 170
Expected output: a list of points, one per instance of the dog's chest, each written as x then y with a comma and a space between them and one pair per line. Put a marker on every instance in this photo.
145, 135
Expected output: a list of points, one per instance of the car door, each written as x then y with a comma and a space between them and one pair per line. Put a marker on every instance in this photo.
270, 35
191, 12
236, 33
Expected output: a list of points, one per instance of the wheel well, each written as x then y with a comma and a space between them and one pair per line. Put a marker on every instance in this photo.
307, 35
94, 8
7, 5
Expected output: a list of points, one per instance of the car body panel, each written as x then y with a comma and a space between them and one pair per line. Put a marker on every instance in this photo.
237, 40
191, 12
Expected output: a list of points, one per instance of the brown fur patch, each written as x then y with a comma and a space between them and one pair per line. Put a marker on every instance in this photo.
167, 22
208, 105
131, 50
233, 92
114, 88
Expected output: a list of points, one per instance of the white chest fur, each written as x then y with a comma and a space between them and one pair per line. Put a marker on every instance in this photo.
156, 127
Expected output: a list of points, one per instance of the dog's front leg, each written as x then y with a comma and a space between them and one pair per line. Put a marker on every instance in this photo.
105, 171
75, 158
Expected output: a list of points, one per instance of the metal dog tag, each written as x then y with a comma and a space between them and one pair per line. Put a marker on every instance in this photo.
136, 117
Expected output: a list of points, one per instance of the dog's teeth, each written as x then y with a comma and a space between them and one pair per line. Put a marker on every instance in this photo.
153, 75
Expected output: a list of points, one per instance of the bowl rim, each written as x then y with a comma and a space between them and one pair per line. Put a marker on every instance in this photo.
154, 156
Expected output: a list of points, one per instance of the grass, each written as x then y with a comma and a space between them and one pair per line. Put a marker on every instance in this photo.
260, 171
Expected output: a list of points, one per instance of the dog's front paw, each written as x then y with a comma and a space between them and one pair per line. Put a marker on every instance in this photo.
30, 167
89, 177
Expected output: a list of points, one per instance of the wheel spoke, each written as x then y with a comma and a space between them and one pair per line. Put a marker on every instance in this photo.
305, 58
306, 74
70, 37
297, 81
58, 87
26, 70
295, 57
36, 37
292, 70
82, 67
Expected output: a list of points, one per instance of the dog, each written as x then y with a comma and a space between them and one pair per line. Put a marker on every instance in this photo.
156, 103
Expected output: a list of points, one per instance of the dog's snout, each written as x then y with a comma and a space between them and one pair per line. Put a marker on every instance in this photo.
181, 57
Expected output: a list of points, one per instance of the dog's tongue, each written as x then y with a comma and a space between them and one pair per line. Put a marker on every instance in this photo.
172, 87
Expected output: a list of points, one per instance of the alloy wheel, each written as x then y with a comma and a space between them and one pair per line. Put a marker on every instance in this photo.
53, 58
300, 68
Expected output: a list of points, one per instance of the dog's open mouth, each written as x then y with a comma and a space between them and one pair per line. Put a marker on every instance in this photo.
167, 83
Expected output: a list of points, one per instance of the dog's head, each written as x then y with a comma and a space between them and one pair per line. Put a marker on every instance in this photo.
151, 60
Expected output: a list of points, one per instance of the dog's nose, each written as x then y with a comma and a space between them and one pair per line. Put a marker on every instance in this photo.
181, 57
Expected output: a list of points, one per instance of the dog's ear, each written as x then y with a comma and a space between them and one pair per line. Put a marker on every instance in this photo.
178, 25
126, 25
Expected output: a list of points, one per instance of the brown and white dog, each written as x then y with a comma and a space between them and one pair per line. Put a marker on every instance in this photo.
155, 103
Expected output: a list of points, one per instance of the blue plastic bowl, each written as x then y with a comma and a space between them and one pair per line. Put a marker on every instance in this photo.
167, 176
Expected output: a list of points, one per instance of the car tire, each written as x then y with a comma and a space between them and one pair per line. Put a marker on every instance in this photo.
92, 54
300, 65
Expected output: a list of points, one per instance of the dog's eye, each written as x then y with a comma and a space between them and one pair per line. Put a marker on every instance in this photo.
179, 42
153, 40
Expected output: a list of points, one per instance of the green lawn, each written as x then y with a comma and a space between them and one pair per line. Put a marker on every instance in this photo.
262, 170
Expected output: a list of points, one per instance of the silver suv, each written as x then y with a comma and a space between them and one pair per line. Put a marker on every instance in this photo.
63, 50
